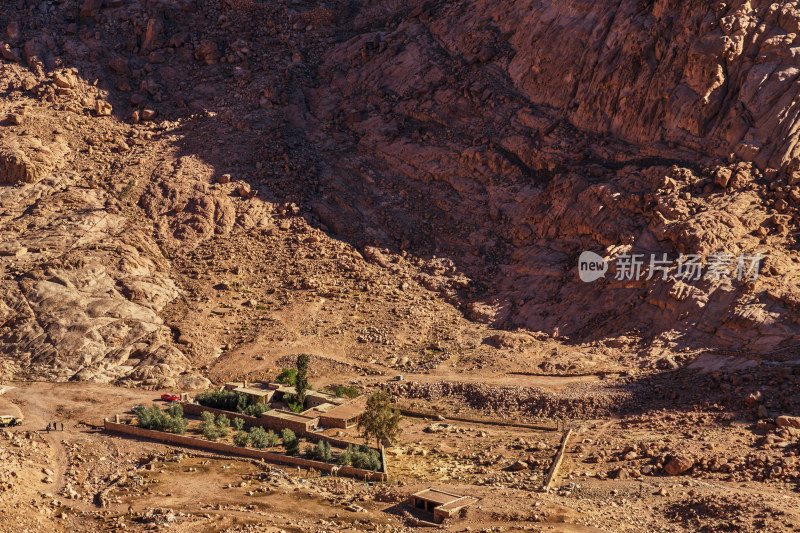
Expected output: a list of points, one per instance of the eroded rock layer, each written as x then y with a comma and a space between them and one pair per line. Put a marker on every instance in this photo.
181, 179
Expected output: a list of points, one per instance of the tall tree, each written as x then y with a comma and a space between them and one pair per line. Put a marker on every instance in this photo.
301, 380
380, 421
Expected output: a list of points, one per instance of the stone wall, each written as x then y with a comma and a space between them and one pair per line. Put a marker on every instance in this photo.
202, 444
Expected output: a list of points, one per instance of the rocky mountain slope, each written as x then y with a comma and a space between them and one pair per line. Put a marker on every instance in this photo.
196, 188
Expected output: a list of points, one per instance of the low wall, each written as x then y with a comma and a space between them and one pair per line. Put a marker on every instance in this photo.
553, 472
384, 462
475, 420
202, 444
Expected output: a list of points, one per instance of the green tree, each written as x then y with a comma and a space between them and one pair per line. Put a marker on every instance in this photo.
343, 391
177, 425
223, 421
255, 409
258, 437
361, 457
380, 421
241, 438
290, 442
293, 403
326, 454
224, 399
157, 420
238, 423
346, 458
210, 427
175, 410
288, 376
301, 381
320, 452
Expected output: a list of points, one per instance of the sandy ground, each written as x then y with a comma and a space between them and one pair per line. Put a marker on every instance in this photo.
151, 486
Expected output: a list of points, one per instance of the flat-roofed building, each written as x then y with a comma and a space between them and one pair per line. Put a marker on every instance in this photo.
257, 391
281, 389
439, 503
256, 395
343, 416
320, 409
315, 398
278, 419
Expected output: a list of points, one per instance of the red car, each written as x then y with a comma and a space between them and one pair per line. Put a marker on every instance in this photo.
170, 397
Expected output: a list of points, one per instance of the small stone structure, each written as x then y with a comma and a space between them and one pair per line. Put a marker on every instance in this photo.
440, 504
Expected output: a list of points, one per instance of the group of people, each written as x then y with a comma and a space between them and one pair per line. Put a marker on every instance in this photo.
54, 426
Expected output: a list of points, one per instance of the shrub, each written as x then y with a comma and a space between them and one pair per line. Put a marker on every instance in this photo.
344, 391
232, 401
320, 452
272, 438
255, 409
288, 376
211, 432
367, 460
177, 425
290, 442
241, 438
362, 457
223, 421
155, 419
223, 399
211, 428
175, 410
346, 458
259, 437
238, 423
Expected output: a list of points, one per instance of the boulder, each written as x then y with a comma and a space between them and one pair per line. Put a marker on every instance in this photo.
103, 108
785, 421
754, 398
154, 34
65, 79
678, 465
208, 52
516, 466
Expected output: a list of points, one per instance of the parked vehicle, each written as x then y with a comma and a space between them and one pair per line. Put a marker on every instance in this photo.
10, 421
170, 397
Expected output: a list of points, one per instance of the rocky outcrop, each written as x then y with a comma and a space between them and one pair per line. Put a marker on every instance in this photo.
85, 304
484, 160
27, 159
